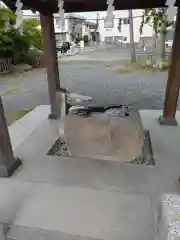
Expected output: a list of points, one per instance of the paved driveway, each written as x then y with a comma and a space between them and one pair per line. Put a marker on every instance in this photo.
104, 84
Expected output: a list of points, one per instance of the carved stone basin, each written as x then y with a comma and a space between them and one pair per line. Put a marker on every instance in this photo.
113, 133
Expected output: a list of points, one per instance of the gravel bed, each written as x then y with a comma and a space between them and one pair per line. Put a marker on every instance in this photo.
147, 153
60, 149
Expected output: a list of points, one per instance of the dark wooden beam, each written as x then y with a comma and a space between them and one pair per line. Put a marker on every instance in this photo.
101, 5
173, 83
50, 6
47, 26
8, 163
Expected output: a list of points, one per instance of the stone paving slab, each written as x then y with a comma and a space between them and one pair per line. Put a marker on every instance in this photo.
24, 233
130, 178
104, 175
13, 195
37, 211
87, 213
22, 128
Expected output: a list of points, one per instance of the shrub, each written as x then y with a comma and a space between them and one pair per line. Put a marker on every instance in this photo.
6, 46
12, 43
33, 57
32, 33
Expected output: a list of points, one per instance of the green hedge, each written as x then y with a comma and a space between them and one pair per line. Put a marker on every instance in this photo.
15, 45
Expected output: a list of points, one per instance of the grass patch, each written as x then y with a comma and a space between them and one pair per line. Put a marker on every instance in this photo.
22, 112
8, 77
12, 90
125, 70
130, 68
162, 65
166, 64
141, 66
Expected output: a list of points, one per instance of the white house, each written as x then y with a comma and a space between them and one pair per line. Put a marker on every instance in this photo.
75, 25
111, 34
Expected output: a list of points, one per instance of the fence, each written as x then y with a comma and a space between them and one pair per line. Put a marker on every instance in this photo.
5, 65
145, 55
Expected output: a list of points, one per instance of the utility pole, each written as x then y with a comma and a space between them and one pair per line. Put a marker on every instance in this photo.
97, 28
131, 33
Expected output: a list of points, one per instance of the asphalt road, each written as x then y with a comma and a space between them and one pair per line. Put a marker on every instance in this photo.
144, 90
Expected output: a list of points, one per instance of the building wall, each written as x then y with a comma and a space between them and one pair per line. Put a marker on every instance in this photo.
114, 32
74, 27
86, 30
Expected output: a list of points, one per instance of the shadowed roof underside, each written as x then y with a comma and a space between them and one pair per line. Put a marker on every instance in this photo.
50, 6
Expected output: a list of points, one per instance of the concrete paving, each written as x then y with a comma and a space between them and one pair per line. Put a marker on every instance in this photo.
141, 179
66, 198
87, 213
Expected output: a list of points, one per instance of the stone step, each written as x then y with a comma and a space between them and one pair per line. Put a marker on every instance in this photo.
67, 213
96, 174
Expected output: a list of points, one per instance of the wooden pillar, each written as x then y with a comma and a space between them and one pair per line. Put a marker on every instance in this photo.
8, 163
47, 26
173, 83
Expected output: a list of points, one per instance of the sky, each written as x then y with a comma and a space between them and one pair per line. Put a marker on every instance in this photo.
88, 14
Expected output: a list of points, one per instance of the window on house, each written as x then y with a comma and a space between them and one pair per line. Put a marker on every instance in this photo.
125, 21
38, 21
120, 24
108, 24
173, 24
57, 21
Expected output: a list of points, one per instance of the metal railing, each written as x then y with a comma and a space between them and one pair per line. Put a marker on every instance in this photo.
140, 54
5, 65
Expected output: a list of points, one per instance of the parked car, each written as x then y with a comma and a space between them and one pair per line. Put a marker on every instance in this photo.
121, 41
63, 47
169, 43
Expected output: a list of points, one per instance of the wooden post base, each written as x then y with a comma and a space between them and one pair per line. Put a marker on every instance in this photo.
53, 116
167, 121
8, 163
7, 171
173, 83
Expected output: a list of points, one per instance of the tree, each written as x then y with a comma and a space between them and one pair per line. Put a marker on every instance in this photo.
157, 18
32, 33
6, 13
6, 42
94, 36
131, 33
13, 44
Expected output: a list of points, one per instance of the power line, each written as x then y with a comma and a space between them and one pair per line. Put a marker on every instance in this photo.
95, 19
